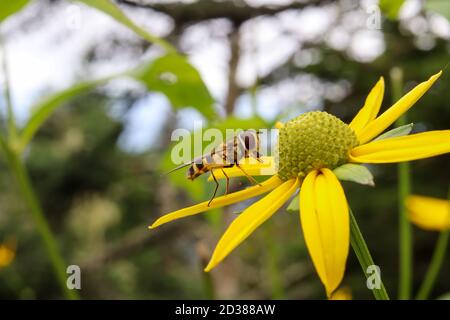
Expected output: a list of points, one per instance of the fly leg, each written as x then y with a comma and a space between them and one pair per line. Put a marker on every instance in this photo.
217, 187
249, 177
257, 156
228, 181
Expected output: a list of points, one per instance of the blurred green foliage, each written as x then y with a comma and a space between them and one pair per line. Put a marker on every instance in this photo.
179, 81
8, 8
99, 199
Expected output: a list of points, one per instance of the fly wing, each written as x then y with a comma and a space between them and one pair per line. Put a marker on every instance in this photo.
249, 145
222, 155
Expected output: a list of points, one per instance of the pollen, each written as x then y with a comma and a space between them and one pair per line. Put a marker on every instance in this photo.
312, 141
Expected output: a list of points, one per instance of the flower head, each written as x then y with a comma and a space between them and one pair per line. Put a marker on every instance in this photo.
310, 147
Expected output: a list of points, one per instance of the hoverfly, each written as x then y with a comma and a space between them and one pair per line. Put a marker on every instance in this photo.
245, 144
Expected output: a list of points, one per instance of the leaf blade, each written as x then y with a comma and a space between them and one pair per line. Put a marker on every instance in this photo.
109, 8
176, 78
294, 205
396, 132
355, 173
8, 8
391, 8
42, 111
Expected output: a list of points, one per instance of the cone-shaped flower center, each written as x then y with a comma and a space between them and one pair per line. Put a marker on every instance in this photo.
311, 141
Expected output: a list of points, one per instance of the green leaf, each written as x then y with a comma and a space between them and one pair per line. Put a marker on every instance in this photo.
294, 205
234, 123
187, 90
439, 6
45, 108
397, 132
364, 257
354, 172
9, 7
391, 8
175, 77
112, 10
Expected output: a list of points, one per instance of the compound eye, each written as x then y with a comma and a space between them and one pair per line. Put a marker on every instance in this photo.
249, 142
191, 171
199, 166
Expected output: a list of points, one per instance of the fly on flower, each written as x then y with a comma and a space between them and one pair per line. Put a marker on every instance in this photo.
310, 148
229, 154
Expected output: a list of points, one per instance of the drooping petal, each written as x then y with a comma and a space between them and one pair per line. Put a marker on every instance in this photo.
370, 109
406, 148
393, 113
326, 228
218, 202
343, 293
250, 219
429, 213
251, 166
7, 253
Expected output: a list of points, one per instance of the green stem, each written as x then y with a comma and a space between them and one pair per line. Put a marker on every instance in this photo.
435, 264
48, 239
275, 277
404, 190
208, 285
6, 91
365, 259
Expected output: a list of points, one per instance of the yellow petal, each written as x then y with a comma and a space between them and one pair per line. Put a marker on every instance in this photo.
406, 148
343, 293
326, 228
250, 219
393, 113
370, 109
251, 166
218, 202
279, 125
429, 213
7, 254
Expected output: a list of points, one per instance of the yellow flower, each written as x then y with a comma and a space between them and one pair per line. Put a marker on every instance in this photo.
429, 213
7, 253
310, 147
343, 293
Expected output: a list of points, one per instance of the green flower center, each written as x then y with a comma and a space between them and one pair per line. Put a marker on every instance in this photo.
312, 141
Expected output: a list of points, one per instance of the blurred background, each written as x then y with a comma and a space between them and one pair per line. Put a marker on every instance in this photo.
97, 162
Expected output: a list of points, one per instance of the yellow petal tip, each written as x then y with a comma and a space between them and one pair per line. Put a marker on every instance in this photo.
154, 225
437, 75
208, 268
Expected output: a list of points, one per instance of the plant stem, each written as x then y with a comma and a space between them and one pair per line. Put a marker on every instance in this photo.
48, 239
365, 259
404, 189
436, 262
6, 91
275, 277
